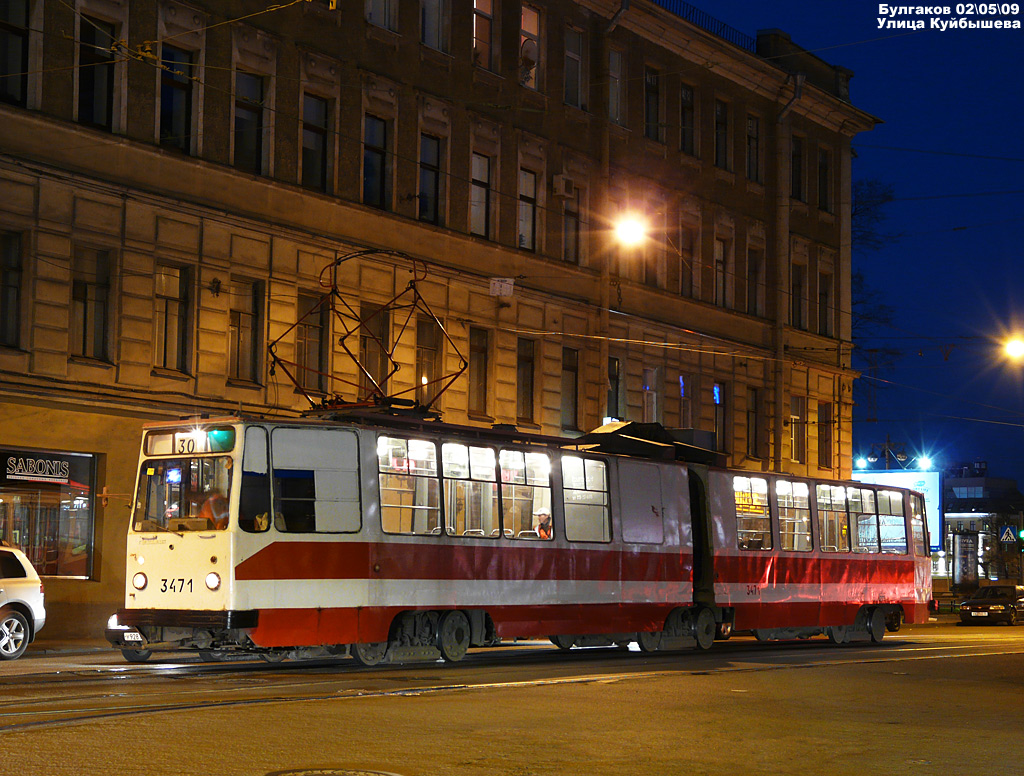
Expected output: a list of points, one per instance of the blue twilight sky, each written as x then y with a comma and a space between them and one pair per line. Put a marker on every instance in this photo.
952, 104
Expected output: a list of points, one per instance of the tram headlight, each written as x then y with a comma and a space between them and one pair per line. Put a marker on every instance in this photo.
213, 580
139, 581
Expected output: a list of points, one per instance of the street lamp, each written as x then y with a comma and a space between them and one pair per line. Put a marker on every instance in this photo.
630, 230
1014, 348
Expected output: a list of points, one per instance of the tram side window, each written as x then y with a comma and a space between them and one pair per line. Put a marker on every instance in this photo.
526, 493
254, 504
864, 519
833, 522
794, 515
409, 494
585, 499
892, 526
917, 525
316, 480
470, 490
753, 520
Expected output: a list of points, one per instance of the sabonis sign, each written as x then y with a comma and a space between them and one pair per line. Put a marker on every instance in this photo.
35, 467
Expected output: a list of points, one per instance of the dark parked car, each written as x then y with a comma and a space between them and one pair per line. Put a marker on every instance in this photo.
995, 603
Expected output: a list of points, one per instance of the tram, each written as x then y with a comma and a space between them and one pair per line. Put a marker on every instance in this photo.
393, 539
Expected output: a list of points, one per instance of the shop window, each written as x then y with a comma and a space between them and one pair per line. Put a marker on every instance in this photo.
585, 499
753, 519
47, 509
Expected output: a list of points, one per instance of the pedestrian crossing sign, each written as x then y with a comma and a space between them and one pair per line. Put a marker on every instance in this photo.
1006, 535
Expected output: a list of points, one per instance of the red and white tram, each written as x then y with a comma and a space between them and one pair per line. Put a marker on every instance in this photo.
394, 539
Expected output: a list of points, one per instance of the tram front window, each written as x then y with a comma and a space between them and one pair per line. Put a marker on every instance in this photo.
183, 494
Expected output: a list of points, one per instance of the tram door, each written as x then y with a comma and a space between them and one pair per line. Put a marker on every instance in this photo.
703, 562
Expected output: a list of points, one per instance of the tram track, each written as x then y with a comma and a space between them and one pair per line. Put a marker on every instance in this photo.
145, 691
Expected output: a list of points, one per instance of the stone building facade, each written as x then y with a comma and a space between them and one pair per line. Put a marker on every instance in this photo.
177, 180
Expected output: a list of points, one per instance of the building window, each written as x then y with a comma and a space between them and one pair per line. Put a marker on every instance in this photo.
314, 142
382, 13
754, 149
428, 360
825, 180
718, 400
824, 435
755, 282
172, 300
722, 134
430, 179
797, 190
653, 127
479, 356
96, 73
570, 388
753, 423
686, 255
650, 397
571, 228
798, 282
375, 162
375, 349
687, 120
311, 343
614, 406
616, 86
434, 21
14, 42
526, 365
527, 210
825, 304
176, 98
797, 429
244, 325
686, 391
483, 33
249, 94
49, 517
90, 313
721, 272
480, 196
574, 68
10, 289
529, 48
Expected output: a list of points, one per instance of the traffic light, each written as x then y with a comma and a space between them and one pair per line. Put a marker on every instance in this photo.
1020, 540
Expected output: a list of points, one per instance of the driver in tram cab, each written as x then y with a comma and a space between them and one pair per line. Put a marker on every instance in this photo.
215, 509
542, 521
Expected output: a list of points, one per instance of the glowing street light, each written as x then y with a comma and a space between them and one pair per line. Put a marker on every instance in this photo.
1014, 348
924, 463
630, 230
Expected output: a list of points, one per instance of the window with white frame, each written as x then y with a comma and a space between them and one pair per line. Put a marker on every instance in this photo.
471, 491
434, 23
172, 300
617, 86
177, 74
244, 330
95, 72
753, 517
409, 493
687, 120
430, 179
90, 309
11, 279
574, 71
483, 34
383, 13
250, 92
14, 41
722, 155
527, 233
315, 132
376, 162
794, 515
585, 499
654, 128
480, 195
530, 53
797, 429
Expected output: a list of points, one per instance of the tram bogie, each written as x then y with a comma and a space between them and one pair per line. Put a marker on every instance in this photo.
395, 540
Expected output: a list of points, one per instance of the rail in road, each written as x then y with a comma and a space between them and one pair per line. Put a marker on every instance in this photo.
69, 690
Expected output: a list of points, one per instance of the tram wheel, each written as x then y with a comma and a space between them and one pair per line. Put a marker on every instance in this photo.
876, 625
893, 623
453, 634
648, 641
704, 628
839, 634
369, 654
563, 642
137, 655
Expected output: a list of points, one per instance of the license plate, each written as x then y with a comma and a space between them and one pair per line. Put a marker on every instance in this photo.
979, 614
131, 636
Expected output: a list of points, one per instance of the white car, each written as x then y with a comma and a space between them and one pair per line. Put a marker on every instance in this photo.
21, 603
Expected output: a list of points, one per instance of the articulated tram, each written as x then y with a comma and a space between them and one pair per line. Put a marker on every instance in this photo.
391, 539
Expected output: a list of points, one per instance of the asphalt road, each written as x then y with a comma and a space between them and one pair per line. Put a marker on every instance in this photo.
934, 699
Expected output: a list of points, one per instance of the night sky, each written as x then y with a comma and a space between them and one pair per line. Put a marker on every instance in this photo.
950, 146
